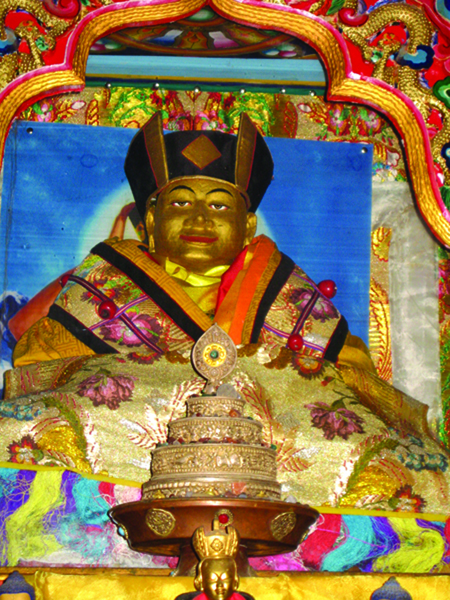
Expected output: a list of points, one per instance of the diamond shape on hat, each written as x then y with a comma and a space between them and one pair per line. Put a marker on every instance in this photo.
201, 152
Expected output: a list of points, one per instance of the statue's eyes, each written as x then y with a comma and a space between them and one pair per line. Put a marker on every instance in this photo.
218, 206
181, 203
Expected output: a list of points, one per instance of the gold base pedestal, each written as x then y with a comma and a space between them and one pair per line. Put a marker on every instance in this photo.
166, 527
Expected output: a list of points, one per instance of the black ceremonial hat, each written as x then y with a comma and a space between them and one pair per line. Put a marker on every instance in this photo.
154, 160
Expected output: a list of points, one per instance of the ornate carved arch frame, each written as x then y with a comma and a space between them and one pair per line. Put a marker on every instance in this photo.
365, 61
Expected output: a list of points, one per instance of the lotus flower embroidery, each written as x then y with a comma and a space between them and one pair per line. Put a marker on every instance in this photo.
335, 420
322, 310
104, 388
117, 331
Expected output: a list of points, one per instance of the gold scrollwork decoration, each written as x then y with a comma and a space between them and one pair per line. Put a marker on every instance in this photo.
282, 525
162, 522
214, 355
407, 80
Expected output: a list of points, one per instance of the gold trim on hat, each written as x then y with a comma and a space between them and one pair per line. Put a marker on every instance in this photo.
156, 149
245, 151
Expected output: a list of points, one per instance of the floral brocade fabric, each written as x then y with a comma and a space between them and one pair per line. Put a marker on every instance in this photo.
143, 319
332, 449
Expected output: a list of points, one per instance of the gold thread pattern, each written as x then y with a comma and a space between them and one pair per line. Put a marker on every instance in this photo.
162, 522
379, 329
379, 308
282, 525
390, 404
381, 241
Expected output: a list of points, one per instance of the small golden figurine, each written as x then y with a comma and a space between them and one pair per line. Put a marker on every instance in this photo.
217, 577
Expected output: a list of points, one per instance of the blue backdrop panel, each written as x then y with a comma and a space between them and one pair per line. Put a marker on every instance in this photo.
319, 211
64, 185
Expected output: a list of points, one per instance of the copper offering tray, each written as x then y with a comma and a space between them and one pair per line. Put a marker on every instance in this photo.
166, 526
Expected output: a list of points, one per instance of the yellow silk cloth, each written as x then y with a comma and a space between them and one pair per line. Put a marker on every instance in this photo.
209, 278
283, 586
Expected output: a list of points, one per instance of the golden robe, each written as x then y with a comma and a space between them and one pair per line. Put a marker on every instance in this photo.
98, 380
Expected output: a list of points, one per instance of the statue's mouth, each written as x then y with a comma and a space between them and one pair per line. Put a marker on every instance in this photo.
198, 239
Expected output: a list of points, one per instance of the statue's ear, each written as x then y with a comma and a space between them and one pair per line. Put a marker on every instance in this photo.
198, 583
150, 219
150, 225
252, 222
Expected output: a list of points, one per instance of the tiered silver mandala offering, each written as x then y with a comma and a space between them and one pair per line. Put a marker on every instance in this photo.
214, 451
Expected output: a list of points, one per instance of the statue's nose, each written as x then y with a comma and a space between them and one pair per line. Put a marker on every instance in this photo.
200, 213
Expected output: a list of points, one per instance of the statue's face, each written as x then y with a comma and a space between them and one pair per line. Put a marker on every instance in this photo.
219, 578
200, 223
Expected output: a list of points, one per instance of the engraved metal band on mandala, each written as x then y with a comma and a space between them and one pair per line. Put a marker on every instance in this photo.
213, 487
216, 429
214, 406
214, 458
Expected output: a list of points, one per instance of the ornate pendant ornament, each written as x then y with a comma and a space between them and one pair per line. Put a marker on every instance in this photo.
161, 522
214, 357
283, 524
